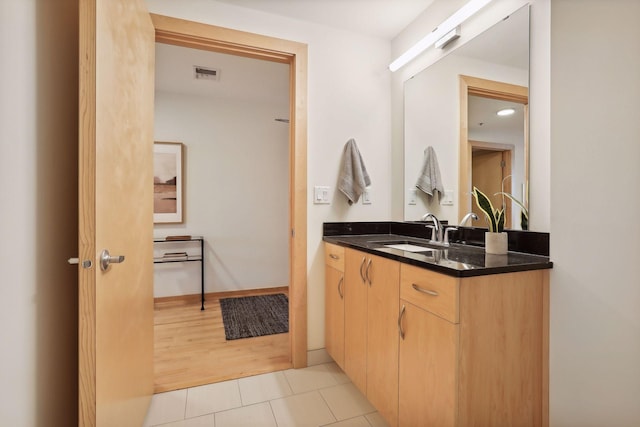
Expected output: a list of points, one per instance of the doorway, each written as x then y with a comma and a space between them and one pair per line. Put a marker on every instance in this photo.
178, 32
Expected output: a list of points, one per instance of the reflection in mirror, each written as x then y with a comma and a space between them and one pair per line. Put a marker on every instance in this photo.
435, 116
497, 143
494, 147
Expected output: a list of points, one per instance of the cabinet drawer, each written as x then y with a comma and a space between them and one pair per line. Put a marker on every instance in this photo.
334, 256
434, 292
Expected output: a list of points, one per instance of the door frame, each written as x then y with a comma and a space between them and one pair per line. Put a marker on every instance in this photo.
196, 35
486, 89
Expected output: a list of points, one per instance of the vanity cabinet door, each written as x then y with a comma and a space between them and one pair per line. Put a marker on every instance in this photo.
334, 314
372, 292
334, 302
427, 374
355, 318
382, 336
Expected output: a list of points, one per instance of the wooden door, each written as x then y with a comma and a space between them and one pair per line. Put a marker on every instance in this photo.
115, 212
428, 374
355, 318
382, 337
488, 169
334, 314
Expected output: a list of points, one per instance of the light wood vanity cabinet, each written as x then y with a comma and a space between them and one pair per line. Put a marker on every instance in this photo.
430, 349
472, 349
371, 333
334, 302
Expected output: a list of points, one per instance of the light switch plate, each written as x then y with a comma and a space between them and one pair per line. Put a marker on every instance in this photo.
412, 196
321, 195
366, 196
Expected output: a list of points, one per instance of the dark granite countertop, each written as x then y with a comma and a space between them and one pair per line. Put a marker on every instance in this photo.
459, 260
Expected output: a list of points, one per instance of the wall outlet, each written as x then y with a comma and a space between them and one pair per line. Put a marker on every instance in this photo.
447, 199
321, 195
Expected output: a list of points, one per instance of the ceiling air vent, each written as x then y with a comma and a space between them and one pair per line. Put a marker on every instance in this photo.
204, 73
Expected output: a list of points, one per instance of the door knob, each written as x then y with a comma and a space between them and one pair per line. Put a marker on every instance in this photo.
106, 259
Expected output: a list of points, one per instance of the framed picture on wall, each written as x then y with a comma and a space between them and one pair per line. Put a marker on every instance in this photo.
168, 182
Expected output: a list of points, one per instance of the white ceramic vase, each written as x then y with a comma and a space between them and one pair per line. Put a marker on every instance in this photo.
496, 243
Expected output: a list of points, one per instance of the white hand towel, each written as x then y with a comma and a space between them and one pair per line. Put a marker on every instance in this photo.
353, 174
430, 180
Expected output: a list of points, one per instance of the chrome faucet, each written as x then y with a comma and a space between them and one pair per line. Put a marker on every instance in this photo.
467, 217
436, 228
446, 235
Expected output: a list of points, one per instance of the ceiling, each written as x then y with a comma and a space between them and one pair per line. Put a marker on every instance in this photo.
483, 119
379, 18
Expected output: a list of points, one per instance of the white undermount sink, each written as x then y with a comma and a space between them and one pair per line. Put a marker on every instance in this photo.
409, 247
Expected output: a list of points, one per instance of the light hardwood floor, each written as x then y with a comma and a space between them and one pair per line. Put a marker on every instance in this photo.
190, 347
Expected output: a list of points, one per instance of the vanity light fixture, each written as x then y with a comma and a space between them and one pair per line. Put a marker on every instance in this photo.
448, 38
450, 24
506, 112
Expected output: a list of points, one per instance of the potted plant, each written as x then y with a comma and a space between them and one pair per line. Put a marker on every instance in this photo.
524, 212
496, 239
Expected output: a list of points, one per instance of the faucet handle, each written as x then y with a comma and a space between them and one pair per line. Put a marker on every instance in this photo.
446, 234
434, 237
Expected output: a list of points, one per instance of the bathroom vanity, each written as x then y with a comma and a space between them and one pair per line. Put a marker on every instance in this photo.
438, 336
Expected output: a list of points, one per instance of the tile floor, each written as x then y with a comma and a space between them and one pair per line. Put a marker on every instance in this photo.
320, 395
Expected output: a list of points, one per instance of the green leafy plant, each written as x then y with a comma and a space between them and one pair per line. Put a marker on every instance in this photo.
524, 212
495, 217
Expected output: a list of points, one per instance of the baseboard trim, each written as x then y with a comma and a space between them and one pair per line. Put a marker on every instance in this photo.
318, 357
225, 294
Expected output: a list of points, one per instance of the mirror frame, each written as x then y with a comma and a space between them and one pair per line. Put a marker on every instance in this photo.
494, 90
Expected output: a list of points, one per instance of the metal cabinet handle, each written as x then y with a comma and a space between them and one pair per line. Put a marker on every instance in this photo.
366, 272
106, 259
334, 256
361, 272
400, 321
340, 292
424, 291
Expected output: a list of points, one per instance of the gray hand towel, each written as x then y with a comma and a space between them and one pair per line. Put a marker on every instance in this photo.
430, 180
353, 174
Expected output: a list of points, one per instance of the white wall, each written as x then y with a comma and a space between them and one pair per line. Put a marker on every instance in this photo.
38, 196
539, 116
595, 236
237, 197
348, 97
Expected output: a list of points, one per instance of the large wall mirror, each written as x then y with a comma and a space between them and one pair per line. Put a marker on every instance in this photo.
452, 105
